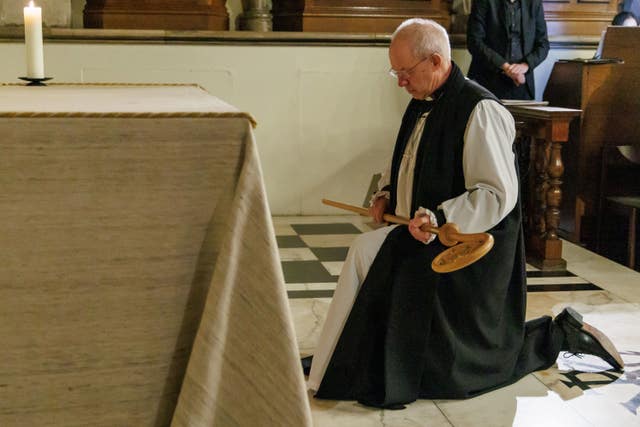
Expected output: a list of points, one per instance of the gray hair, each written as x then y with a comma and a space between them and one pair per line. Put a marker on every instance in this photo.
427, 37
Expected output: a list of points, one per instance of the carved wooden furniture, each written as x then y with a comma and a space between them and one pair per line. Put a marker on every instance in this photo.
547, 128
609, 96
370, 16
572, 84
157, 14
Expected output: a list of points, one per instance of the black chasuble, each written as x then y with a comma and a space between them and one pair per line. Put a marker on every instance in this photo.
413, 333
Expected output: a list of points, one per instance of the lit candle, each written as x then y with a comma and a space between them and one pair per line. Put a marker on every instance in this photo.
33, 41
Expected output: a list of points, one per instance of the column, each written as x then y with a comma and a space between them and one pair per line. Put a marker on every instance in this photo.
256, 16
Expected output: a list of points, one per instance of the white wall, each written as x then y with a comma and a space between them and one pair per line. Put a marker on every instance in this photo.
327, 116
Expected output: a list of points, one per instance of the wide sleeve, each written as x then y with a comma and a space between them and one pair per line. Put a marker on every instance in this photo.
383, 188
384, 184
488, 162
477, 34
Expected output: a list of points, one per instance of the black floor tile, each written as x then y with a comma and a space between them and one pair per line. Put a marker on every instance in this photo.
330, 254
563, 287
310, 294
306, 272
562, 273
290, 242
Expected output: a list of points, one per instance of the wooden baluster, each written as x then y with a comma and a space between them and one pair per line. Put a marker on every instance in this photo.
555, 170
541, 185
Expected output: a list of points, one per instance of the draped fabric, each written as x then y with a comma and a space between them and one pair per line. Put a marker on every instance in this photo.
141, 282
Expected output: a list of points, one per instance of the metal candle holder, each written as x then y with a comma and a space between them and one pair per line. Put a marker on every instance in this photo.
35, 81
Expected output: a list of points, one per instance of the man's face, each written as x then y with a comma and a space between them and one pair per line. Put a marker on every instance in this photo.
419, 76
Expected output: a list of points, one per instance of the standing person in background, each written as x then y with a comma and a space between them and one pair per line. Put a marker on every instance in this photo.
507, 40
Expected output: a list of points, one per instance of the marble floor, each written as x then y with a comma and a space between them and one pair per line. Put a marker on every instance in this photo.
575, 392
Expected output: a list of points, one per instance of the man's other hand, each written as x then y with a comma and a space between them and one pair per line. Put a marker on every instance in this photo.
520, 68
378, 209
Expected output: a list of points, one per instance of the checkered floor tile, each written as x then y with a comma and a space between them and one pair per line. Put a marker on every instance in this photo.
313, 253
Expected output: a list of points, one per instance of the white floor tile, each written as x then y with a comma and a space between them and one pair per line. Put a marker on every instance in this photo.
333, 267
328, 240
296, 254
494, 409
283, 229
331, 286
540, 399
555, 280
331, 413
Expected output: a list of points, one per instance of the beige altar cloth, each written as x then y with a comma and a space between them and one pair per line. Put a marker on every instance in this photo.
140, 283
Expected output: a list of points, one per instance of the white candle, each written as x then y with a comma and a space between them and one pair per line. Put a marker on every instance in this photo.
33, 41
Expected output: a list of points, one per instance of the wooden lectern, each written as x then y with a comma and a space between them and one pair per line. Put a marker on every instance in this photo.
608, 93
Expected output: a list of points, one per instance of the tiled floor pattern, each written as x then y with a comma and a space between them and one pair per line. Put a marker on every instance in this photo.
576, 392
312, 259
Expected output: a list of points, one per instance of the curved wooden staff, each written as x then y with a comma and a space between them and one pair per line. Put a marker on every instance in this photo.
464, 249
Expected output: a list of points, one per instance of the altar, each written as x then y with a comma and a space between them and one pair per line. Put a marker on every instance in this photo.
140, 282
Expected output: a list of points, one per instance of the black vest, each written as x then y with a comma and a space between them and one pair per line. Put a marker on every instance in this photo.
442, 142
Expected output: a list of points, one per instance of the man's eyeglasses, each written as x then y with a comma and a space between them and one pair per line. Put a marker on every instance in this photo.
405, 74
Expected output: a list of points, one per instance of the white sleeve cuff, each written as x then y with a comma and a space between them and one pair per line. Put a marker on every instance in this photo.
377, 195
432, 219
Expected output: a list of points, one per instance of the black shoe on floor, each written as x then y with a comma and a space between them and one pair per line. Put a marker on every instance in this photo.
306, 365
580, 337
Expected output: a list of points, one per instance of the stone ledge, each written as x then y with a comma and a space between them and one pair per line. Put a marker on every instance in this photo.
71, 35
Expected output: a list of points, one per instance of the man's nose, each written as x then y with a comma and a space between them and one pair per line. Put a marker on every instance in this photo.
402, 82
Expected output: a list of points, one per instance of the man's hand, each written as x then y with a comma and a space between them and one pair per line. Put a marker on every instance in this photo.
414, 227
516, 72
378, 209
520, 79
520, 68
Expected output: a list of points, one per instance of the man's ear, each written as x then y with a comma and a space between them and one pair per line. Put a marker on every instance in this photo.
437, 59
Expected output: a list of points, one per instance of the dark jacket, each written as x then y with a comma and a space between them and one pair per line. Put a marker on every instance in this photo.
487, 40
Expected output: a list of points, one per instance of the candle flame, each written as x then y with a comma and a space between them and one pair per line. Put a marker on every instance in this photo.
31, 3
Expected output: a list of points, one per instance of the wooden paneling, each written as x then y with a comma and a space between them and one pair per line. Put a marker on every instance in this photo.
564, 17
157, 14
579, 17
376, 16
